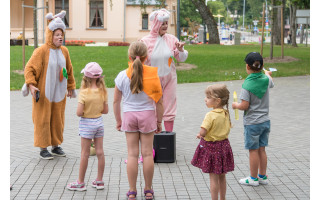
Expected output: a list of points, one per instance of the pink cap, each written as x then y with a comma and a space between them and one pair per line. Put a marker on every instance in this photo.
92, 70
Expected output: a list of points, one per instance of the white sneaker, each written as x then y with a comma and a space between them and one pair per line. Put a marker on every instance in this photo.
99, 185
249, 181
264, 180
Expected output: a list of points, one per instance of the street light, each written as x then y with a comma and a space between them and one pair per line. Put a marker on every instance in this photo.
267, 26
244, 8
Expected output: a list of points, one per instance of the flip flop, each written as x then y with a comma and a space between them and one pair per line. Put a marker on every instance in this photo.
148, 197
131, 193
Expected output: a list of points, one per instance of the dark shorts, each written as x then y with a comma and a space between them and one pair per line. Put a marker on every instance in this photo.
256, 135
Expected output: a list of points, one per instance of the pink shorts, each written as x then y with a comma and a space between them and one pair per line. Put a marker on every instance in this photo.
139, 121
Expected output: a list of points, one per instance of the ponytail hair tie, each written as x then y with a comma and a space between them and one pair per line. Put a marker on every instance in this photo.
137, 57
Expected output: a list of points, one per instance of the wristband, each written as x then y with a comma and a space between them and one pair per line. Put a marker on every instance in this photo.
159, 122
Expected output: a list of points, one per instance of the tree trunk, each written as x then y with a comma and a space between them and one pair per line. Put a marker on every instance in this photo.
293, 26
35, 25
208, 20
272, 30
302, 33
277, 26
283, 15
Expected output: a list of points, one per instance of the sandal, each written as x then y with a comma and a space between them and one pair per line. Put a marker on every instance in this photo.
131, 193
148, 192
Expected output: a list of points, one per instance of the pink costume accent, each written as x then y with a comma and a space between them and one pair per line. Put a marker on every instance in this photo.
160, 49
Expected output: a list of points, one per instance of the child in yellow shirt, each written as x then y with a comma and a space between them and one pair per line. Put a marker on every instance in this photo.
214, 154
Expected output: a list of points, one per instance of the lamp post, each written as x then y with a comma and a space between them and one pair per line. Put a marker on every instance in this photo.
267, 25
204, 30
178, 19
244, 8
64, 20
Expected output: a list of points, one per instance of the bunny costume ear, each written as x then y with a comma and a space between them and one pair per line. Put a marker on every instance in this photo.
56, 22
161, 15
61, 14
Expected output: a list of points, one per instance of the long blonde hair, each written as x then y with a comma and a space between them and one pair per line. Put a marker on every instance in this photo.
138, 53
86, 84
220, 91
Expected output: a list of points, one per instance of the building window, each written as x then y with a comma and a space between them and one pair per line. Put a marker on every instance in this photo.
96, 13
144, 21
58, 8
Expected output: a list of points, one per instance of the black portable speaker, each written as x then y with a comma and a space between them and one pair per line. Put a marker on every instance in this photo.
164, 145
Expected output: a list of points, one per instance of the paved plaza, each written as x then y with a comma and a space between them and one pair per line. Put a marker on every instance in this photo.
288, 152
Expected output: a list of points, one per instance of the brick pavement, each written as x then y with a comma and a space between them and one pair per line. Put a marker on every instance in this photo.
288, 151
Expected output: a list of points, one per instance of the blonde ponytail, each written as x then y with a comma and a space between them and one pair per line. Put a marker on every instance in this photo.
138, 53
136, 77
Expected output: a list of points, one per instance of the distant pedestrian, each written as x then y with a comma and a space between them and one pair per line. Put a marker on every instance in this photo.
20, 36
139, 88
255, 103
92, 103
214, 154
289, 37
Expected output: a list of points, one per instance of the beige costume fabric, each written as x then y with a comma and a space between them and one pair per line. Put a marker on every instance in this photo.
43, 71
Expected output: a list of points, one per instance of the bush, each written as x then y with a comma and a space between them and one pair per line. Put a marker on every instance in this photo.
78, 42
115, 43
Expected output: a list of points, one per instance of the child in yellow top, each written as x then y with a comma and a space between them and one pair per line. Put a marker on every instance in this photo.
92, 103
214, 154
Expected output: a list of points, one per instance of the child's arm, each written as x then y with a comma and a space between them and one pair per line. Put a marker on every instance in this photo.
244, 105
202, 133
268, 73
80, 109
105, 108
116, 107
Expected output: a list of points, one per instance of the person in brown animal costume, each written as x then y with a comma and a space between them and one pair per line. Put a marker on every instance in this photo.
49, 77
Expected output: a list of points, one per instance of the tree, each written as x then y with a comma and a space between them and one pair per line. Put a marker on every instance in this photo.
293, 25
189, 11
217, 7
35, 24
276, 21
294, 5
208, 20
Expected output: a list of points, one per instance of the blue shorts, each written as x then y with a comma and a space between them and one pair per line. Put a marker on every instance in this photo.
256, 135
90, 128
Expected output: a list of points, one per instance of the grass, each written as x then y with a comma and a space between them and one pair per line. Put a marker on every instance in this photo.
214, 62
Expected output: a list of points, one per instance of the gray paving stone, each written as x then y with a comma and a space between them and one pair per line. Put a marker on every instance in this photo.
288, 157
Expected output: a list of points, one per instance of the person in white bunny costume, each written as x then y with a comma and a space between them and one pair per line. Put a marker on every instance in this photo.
49, 77
162, 47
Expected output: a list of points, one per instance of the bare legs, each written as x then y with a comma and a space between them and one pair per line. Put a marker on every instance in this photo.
258, 161
218, 184
98, 142
133, 154
85, 152
148, 163
132, 161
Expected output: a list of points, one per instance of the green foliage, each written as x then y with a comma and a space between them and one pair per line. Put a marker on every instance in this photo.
188, 10
214, 62
217, 7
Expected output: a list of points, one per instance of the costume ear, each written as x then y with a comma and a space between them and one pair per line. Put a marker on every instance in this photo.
61, 14
153, 15
49, 16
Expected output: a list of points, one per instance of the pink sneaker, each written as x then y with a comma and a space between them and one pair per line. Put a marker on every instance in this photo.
76, 186
140, 160
99, 185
